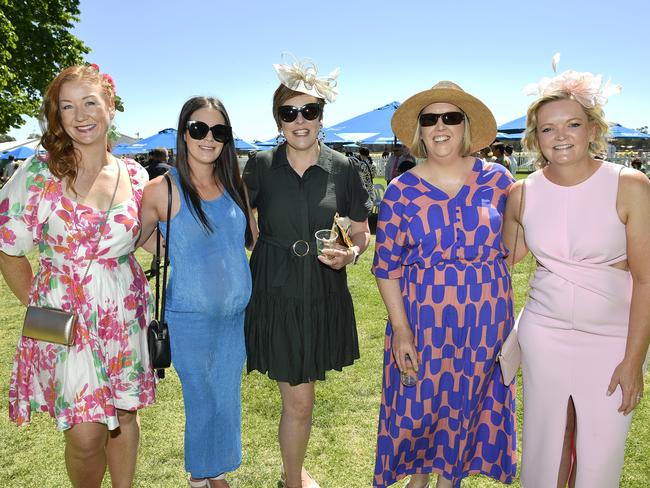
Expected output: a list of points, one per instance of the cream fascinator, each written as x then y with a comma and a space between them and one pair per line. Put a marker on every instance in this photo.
585, 88
301, 76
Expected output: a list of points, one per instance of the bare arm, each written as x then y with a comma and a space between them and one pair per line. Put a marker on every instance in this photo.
512, 228
252, 221
634, 207
403, 343
154, 204
18, 274
340, 256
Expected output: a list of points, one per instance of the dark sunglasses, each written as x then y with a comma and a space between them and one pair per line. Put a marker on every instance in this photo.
198, 130
448, 118
289, 113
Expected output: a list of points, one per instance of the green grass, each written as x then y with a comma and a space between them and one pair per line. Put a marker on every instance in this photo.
341, 451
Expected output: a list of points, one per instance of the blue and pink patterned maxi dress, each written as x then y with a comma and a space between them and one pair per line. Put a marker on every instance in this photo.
448, 255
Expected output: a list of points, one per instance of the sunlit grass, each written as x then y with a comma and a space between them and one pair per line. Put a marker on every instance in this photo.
341, 451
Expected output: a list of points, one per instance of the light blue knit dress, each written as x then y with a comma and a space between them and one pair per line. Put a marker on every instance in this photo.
208, 290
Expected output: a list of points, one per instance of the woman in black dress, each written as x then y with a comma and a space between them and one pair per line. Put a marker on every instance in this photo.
300, 320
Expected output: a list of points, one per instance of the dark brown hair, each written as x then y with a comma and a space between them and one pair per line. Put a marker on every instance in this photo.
64, 159
225, 169
281, 95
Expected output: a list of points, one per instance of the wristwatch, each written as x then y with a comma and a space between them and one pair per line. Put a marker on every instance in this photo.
355, 250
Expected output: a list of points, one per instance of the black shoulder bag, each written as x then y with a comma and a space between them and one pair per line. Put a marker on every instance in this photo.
160, 354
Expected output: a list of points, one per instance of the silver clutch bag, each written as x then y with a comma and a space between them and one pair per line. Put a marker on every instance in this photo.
510, 355
50, 325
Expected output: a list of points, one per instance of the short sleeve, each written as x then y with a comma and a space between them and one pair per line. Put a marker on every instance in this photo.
391, 235
25, 203
251, 178
360, 202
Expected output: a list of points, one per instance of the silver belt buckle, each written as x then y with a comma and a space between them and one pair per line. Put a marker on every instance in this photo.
295, 250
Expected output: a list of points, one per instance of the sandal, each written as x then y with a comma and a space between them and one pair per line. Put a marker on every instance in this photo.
203, 483
283, 479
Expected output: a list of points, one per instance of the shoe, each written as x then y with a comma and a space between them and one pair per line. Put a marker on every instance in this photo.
312, 481
283, 479
204, 483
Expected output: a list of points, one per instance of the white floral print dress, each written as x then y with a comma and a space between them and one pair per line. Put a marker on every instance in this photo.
107, 367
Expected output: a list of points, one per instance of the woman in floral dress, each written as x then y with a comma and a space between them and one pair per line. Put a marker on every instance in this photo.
94, 387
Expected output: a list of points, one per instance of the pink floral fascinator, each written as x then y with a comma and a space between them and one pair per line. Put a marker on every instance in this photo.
585, 88
302, 76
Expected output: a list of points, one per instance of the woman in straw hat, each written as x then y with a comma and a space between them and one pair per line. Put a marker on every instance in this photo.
585, 329
439, 264
300, 321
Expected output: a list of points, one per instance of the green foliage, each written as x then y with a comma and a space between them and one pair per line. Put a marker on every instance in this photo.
36, 44
6, 138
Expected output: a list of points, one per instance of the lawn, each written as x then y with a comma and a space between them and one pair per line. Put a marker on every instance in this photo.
341, 452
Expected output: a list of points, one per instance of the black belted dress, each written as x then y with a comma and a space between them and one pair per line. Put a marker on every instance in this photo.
300, 320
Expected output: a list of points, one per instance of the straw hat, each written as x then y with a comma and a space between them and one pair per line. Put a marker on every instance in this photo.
483, 127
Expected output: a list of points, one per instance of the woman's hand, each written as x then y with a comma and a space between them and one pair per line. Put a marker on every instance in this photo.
630, 379
337, 257
404, 350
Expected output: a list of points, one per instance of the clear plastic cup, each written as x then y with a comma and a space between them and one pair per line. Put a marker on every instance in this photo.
409, 377
325, 239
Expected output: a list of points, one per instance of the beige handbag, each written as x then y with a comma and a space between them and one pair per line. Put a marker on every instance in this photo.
509, 356
50, 325
53, 324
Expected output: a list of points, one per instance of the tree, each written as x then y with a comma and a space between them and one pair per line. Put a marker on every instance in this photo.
36, 45
6, 138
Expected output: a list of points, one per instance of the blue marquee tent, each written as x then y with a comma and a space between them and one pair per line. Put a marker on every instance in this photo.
617, 131
242, 145
21, 152
332, 137
514, 126
372, 124
135, 148
165, 138
504, 136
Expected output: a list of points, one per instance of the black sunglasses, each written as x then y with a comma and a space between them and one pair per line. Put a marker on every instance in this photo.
289, 113
448, 118
198, 130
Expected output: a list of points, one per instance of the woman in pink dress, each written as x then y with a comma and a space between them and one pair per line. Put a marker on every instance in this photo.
585, 328
94, 387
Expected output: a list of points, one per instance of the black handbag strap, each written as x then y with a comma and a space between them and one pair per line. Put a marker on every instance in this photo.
161, 299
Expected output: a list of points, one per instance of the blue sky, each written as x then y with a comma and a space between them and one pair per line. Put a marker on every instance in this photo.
162, 52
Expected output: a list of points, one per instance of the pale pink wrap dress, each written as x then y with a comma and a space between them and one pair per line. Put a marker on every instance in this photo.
574, 327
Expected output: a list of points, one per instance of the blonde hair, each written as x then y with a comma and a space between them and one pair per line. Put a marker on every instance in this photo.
419, 150
595, 116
